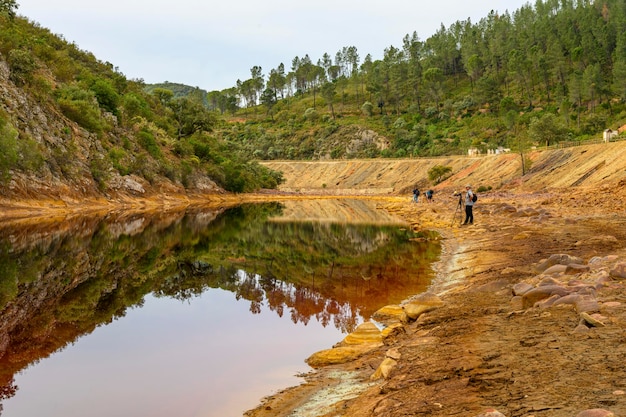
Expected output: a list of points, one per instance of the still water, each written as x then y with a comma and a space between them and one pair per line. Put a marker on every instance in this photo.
198, 313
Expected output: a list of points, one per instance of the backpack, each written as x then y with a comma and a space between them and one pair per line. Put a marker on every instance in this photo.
474, 197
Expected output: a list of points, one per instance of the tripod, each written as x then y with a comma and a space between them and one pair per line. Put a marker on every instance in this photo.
458, 210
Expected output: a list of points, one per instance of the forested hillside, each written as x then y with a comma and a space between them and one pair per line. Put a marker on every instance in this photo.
71, 125
548, 72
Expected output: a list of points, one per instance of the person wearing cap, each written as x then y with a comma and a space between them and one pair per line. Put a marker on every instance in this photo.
469, 205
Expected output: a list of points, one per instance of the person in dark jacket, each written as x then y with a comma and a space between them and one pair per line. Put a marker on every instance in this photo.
469, 205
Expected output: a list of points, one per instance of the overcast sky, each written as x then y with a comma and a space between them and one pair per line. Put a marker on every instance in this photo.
211, 44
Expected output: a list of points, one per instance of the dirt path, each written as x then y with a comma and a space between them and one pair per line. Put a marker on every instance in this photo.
485, 349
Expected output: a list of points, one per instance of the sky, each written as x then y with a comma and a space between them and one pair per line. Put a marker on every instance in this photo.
211, 45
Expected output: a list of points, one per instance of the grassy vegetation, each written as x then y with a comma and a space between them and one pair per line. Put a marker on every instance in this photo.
89, 105
513, 80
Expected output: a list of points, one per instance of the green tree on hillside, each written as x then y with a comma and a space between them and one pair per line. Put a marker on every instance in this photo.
328, 92
438, 172
107, 97
190, 117
164, 95
223, 101
268, 99
433, 80
8, 7
277, 80
413, 52
547, 129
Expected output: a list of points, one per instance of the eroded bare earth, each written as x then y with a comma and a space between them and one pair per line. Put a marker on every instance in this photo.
485, 349
530, 318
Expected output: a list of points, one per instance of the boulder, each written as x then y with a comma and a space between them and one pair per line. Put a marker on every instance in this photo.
555, 269
384, 369
365, 333
390, 314
605, 240
618, 271
598, 260
568, 299
392, 332
581, 329
587, 304
573, 269
547, 302
521, 288
517, 303
548, 281
557, 259
421, 304
543, 292
337, 355
591, 320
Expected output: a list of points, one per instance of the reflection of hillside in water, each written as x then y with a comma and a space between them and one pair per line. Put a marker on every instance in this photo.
336, 211
60, 281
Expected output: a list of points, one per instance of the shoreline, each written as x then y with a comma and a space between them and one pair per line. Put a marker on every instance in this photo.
480, 351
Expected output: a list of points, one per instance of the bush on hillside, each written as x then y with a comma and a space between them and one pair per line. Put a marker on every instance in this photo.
22, 66
80, 106
438, 173
8, 150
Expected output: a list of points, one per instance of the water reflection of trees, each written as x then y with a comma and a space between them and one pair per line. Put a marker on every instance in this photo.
291, 274
61, 281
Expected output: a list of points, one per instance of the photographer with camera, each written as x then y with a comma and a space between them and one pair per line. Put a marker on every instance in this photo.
469, 205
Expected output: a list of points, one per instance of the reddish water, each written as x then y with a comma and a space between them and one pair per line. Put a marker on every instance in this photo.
156, 317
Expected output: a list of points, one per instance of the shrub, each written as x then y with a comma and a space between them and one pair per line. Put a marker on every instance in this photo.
8, 150
311, 114
117, 155
30, 156
438, 172
99, 172
186, 171
22, 65
149, 143
80, 106
135, 105
367, 109
107, 97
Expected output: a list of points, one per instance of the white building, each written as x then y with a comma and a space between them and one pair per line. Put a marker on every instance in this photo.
609, 134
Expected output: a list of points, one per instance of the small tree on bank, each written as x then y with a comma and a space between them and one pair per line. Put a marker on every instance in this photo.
437, 173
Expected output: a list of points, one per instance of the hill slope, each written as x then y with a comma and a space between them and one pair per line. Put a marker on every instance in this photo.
580, 167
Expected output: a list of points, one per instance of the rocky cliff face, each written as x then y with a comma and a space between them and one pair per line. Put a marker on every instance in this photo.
52, 133
66, 154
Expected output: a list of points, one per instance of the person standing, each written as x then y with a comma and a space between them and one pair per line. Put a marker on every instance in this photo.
416, 194
469, 205
429, 195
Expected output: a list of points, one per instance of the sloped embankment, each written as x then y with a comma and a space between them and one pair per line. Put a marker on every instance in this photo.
491, 348
582, 166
